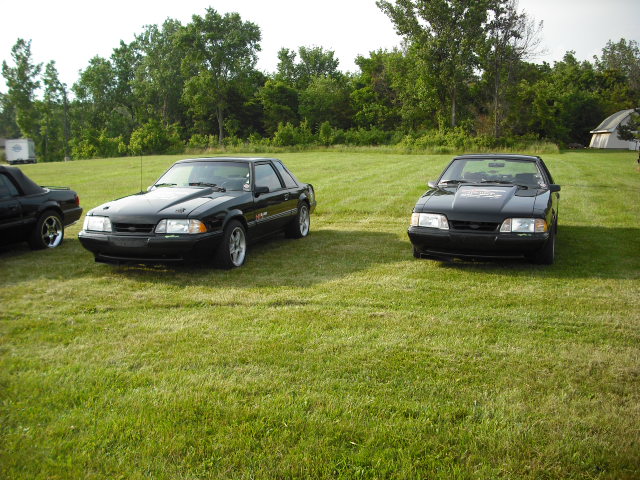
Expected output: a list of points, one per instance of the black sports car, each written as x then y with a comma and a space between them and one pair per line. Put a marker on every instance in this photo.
488, 206
34, 213
201, 208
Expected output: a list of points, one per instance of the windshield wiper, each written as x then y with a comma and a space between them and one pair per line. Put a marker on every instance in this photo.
165, 185
453, 182
506, 182
205, 184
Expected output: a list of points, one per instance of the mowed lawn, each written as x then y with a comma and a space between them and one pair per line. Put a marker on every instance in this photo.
335, 356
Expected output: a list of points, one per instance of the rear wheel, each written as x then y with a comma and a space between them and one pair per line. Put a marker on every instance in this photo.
300, 226
232, 251
416, 253
48, 232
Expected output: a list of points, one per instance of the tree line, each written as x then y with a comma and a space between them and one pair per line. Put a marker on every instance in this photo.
464, 77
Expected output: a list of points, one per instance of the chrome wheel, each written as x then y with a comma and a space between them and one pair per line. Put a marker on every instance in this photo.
304, 220
51, 232
237, 246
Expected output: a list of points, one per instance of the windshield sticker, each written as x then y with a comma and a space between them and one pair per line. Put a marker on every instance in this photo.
481, 193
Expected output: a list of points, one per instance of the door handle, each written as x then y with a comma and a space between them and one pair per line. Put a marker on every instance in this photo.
286, 196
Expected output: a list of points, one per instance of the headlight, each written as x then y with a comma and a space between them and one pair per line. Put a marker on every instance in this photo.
96, 223
170, 225
524, 225
431, 220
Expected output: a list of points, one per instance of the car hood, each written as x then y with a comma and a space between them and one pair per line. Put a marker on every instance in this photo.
481, 203
161, 203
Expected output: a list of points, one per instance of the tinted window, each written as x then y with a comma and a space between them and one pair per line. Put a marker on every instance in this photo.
489, 169
266, 177
7, 189
229, 175
286, 176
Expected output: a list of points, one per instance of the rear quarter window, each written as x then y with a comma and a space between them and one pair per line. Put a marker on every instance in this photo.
288, 179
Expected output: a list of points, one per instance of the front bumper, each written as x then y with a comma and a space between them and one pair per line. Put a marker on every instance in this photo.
150, 249
432, 242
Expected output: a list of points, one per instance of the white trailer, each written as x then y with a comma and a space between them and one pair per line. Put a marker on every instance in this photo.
20, 150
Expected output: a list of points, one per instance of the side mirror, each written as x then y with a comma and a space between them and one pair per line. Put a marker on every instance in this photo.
554, 188
433, 184
260, 190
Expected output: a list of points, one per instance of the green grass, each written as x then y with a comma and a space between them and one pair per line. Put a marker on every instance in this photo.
334, 356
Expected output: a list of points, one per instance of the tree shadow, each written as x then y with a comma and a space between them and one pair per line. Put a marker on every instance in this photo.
581, 252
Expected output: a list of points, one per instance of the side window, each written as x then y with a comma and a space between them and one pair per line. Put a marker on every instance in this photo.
286, 176
7, 188
266, 177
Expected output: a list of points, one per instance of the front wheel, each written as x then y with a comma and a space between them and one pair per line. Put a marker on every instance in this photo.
232, 250
546, 255
300, 226
48, 232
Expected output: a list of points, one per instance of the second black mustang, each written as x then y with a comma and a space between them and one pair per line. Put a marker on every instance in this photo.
488, 206
200, 209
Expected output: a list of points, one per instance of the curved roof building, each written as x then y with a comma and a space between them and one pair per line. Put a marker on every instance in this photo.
605, 135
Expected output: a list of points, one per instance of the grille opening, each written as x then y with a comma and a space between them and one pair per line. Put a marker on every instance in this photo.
474, 226
133, 227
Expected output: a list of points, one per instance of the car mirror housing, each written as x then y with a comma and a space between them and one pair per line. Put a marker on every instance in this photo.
260, 190
432, 184
554, 188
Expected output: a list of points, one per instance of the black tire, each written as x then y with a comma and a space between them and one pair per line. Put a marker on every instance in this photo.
416, 253
546, 255
48, 232
301, 224
232, 251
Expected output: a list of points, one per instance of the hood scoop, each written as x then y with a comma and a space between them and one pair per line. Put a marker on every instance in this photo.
471, 198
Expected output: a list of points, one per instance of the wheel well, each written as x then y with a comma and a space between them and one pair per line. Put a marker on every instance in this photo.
240, 218
52, 208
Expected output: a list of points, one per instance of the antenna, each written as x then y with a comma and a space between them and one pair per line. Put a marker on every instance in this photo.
140, 173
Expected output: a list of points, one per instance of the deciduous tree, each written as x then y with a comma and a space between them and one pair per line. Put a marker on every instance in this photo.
22, 83
447, 34
220, 51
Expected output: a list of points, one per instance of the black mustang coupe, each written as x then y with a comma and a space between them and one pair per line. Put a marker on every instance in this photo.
488, 206
201, 208
34, 213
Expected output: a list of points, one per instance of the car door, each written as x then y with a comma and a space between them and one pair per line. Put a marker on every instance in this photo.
270, 205
290, 207
10, 209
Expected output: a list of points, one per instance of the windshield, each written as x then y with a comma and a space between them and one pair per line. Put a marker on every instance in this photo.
484, 170
228, 175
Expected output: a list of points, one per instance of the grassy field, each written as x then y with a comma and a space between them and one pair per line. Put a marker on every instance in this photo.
335, 356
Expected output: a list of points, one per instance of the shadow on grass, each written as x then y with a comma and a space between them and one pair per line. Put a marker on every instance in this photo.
277, 261
323, 256
581, 252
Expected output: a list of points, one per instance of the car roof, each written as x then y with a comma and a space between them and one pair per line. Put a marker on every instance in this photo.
499, 156
226, 159
28, 186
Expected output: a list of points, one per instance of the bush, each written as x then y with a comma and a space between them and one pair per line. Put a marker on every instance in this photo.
154, 137
325, 134
288, 135
368, 137
98, 145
